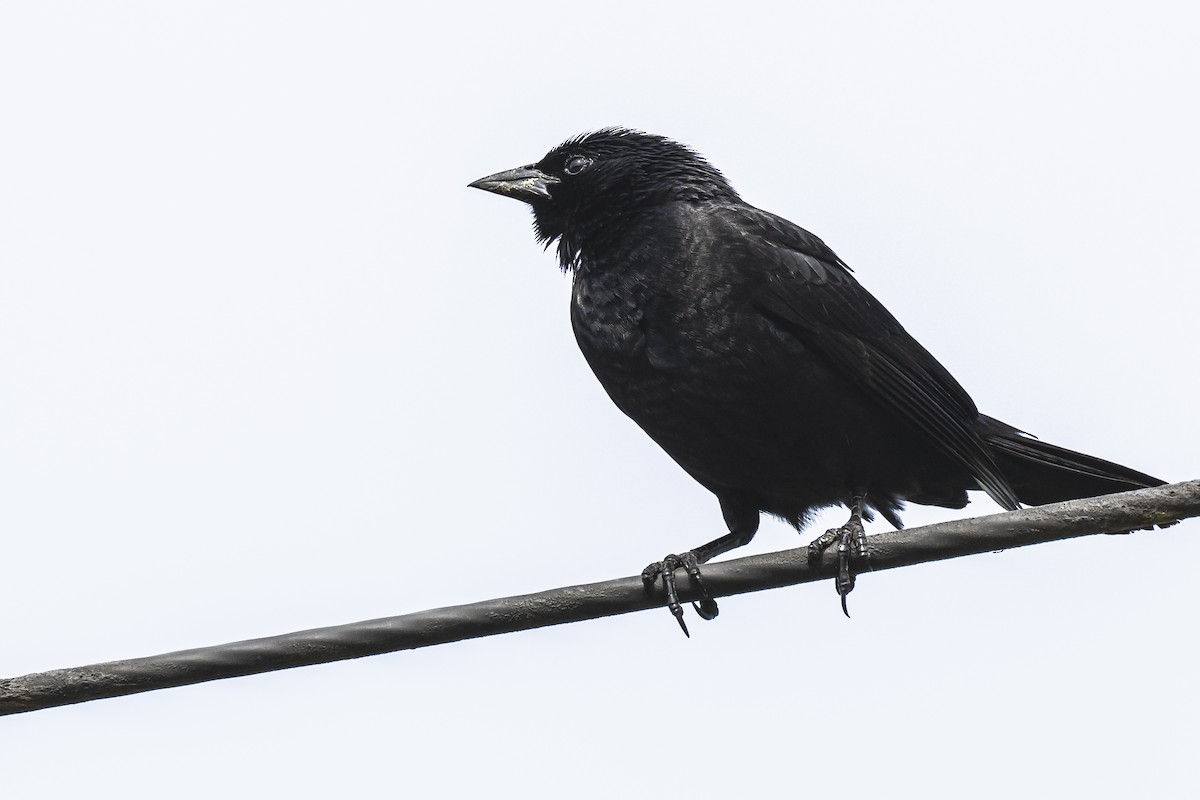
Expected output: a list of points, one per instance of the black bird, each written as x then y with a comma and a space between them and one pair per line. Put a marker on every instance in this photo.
746, 349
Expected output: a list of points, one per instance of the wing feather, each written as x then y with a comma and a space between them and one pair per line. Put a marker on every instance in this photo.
811, 293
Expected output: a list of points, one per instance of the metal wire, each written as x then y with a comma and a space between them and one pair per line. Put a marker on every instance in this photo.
1119, 512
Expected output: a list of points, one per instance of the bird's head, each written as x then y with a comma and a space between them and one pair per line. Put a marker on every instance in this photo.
591, 188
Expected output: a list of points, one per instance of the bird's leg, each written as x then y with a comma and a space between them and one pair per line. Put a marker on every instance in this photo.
851, 541
691, 561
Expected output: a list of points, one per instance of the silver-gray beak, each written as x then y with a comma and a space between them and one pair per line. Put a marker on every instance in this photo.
523, 183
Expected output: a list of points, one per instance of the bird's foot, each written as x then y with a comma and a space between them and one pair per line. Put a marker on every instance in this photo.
851, 541
706, 608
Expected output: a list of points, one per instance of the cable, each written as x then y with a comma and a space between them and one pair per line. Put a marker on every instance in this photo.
1160, 506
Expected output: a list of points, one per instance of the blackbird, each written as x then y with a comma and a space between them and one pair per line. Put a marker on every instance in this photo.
747, 350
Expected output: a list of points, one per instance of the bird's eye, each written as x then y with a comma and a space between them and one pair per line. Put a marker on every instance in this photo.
576, 165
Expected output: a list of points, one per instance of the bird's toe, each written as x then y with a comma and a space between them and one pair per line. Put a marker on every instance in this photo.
705, 607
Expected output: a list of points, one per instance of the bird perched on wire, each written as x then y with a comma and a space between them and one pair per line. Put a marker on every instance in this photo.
745, 348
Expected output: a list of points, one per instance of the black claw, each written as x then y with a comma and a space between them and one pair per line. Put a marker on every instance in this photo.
669, 565
706, 607
851, 541
847, 544
845, 579
650, 575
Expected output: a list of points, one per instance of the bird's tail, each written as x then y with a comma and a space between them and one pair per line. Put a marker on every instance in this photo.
1044, 473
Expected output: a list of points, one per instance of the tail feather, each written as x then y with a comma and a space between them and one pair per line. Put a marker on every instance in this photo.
1044, 473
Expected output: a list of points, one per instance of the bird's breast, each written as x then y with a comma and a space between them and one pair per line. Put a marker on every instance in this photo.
607, 315
705, 378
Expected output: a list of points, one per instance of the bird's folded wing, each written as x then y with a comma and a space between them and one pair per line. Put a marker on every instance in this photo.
809, 292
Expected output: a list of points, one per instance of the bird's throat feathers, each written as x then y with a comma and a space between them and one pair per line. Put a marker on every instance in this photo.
576, 238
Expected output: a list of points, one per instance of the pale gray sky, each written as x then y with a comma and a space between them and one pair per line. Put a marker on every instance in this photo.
270, 365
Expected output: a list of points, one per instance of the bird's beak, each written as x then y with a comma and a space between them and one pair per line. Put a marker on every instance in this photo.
523, 183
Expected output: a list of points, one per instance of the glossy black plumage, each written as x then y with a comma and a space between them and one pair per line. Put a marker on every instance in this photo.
747, 350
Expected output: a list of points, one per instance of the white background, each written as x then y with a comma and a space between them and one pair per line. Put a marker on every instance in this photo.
267, 364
